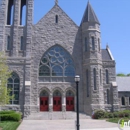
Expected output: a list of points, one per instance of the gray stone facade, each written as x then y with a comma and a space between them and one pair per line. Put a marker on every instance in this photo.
40, 38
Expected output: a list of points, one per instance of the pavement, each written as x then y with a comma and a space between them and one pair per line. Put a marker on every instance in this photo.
85, 124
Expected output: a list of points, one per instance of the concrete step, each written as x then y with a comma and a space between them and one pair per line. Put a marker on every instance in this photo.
56, 116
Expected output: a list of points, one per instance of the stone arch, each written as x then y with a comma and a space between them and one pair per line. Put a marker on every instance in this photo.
71, 89
58, 89
44, 89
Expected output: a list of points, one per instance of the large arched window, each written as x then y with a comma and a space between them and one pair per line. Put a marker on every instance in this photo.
56, 62
13, 85
10, 12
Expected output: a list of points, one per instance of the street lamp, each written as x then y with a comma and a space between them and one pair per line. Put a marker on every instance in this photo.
77, 79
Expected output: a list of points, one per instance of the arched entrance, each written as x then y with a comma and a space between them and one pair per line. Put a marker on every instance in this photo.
44, 101
69, 101
57, 101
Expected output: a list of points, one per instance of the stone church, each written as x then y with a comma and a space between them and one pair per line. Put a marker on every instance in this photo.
44, 59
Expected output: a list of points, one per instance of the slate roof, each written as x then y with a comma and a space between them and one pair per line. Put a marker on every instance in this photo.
89, 15
123, 83
105, 55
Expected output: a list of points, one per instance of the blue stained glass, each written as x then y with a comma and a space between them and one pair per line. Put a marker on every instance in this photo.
58, 62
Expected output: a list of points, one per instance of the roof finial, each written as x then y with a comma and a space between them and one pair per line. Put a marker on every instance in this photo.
107, 46
56, 2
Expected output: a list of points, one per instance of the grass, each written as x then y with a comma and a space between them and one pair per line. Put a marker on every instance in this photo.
9, 125
115, 120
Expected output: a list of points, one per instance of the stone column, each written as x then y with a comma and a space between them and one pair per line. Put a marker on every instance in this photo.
50, 102
63, 102
115, 101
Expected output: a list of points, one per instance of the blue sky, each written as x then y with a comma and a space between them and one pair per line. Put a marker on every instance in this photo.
114, 16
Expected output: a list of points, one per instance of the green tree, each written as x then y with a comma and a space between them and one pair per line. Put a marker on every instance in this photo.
121, 74
4, 75
128, 74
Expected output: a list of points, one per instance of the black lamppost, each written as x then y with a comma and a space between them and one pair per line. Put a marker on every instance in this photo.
77, 79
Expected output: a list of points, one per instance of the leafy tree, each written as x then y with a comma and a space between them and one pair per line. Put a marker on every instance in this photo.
128, 74
4, 75
121, 74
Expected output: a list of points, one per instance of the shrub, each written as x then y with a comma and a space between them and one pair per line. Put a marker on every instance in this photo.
99, 114
121, 114
108, 115
6, 112
126, 113
10, 117
116, 114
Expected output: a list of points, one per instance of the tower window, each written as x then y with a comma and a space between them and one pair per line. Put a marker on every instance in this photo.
86, 44
56, 19
100, 76
99, 44
23, 12
108, 101
22, 44
10, 12
94, 78
107, 77
123, 101
87, 82
93, 43
8, 43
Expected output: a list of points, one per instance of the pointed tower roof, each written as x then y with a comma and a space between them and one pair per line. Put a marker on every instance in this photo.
89, 15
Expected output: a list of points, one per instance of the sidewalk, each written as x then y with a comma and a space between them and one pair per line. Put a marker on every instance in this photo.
85, 124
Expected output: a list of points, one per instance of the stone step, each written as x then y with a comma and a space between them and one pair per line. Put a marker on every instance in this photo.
56, 116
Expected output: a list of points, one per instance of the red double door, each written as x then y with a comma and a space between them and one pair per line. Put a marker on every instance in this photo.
56, 103
69, 103
44, 104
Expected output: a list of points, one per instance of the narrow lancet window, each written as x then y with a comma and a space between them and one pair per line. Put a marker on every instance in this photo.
122, 101
8, 43
93, 43
94, 78
107, 77
86, 44
56, 19
10, 12
108, 101
99, 44
22, 44
87, 82
23, 12
100, 76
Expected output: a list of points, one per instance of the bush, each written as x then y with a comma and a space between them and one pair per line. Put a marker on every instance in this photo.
10, 117
126, 113
6, 112
108, 115
99, 114
116, 114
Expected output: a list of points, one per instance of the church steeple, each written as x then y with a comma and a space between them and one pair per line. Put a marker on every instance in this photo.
89, 15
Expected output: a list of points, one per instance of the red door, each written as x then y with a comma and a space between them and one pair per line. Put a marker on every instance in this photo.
56, 103
43, 103
69, 103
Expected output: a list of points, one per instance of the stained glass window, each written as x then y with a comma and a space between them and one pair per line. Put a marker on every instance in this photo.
57, 62
13, 85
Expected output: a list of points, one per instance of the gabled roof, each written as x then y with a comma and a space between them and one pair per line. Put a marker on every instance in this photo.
105, 55
123, 84
89, 15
